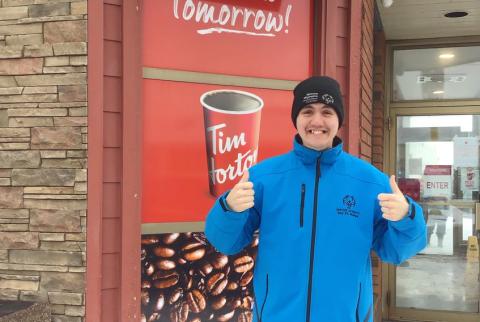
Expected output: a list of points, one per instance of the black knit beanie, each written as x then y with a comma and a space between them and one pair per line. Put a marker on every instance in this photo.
317, 89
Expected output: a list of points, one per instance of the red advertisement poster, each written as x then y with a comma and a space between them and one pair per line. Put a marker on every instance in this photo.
259, 38
198, 140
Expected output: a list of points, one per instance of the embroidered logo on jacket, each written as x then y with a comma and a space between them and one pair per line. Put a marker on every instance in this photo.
349, 202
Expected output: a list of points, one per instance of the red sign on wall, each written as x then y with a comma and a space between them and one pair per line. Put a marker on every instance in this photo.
178, 158
198, 139
261, 38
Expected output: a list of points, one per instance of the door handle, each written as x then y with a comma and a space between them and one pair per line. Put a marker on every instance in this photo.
477, 216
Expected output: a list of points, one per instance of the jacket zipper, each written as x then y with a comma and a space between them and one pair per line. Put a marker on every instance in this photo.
302, 204
259, 316
312, 242
357, 313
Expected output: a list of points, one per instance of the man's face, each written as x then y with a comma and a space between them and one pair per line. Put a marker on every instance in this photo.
317, 125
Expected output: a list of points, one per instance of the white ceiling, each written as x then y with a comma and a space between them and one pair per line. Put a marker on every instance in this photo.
415, 19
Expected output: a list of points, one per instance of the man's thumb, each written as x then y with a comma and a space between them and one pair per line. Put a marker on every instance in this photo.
245, 176
394, 186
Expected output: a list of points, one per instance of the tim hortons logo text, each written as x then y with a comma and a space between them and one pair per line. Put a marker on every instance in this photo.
232, 19
221, 144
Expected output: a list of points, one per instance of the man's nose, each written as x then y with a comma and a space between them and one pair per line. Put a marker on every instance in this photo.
317, 118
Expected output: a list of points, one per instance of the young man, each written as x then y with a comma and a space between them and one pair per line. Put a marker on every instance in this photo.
319, 212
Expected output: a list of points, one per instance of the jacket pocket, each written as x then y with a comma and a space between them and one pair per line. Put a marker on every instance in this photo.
357, 311
259, 315
302, 203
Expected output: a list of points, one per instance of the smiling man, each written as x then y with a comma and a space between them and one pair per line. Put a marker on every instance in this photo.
319, 212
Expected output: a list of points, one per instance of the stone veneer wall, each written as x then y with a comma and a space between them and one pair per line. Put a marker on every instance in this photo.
43, 150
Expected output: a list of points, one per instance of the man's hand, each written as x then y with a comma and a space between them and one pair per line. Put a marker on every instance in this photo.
394, 205
240, 197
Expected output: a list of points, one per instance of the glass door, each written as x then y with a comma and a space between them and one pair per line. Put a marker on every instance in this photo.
436, 161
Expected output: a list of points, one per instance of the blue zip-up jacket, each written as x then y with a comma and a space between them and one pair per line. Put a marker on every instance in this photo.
318, 218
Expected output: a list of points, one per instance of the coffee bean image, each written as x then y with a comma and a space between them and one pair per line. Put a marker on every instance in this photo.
149, 269
243, 264
165, 264
165, 279
226, 316
146, 284
170, 238
176, 295
185, 279
145, 297
193, 252
246, 278
160, 303
218, 302
219, 261
150, 240
231, 286
217, 283
206, 268
244, 316
180, 313
163, 251
154, 317
196, 301
247, 303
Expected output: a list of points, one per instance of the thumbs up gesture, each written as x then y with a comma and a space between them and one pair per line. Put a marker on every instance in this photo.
394, 205
240, 197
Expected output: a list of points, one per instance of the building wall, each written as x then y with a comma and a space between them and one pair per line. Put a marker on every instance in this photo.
114, 86
370, 149
43, 145
379, 99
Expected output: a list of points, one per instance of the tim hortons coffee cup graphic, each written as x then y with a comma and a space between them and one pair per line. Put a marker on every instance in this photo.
232, 129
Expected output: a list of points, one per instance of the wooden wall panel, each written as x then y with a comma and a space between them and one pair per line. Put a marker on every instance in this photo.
112, 130
113, 58
113, 94
110, 306
113, 19
112, 200
111, 272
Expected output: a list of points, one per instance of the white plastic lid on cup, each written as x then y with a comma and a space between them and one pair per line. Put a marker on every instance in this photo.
230, 101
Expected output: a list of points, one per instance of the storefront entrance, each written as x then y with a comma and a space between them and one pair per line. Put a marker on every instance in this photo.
434, 152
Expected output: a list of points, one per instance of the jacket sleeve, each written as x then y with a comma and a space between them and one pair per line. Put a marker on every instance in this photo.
396, 241
229, 231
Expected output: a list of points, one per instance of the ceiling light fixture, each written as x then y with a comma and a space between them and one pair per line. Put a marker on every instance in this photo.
456, 14
446, 56
387, 3
438, 92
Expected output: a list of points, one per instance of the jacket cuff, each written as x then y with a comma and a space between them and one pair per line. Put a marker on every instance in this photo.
223, 202
411, 208
410, 221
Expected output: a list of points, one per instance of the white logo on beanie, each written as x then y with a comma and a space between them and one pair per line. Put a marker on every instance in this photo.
310, 98
328, 99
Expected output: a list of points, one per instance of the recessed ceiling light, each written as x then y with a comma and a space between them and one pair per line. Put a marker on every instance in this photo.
446, 56
438, 92
456, 14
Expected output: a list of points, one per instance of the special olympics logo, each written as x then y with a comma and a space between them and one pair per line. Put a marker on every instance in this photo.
328, 99
349, 201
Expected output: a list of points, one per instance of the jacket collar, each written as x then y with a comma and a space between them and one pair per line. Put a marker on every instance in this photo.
308, 156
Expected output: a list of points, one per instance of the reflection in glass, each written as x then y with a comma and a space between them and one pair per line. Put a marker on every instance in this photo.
438, 165
436, 73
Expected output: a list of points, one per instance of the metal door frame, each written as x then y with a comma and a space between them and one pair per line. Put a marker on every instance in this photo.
417, 108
